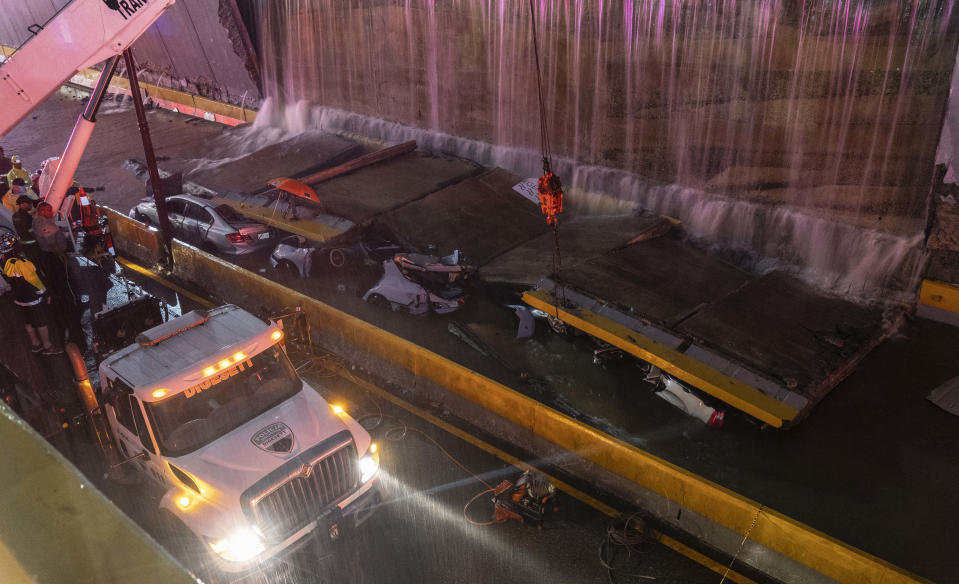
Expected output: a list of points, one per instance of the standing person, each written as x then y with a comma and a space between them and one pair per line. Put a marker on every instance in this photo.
49, 237
23, 223
29, 294
35, 184
66, 308
18, 171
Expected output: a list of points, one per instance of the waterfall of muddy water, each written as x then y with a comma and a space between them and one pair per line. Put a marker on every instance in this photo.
800, 131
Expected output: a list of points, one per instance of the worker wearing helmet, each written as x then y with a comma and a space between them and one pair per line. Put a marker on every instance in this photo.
29, 293
18, 171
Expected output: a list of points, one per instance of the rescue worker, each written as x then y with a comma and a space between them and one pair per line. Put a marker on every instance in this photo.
17, 189
18, 171
29, 294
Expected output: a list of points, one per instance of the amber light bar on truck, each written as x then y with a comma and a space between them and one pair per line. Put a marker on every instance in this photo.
223, 364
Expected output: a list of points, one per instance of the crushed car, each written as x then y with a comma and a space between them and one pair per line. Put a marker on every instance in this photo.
299, 255
397, 290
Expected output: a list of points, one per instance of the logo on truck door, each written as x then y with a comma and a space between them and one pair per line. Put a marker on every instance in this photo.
277, 437
126, 8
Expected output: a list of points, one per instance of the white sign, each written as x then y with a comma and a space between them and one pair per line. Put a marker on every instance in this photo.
529, 188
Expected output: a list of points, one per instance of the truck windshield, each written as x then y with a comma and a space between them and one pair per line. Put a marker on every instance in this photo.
220, 403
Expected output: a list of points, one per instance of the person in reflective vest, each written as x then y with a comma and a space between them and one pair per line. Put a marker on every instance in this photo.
18, 171
29, 294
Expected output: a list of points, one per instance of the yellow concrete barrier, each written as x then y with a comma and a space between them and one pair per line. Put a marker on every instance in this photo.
940, 295
139, 242
764, 526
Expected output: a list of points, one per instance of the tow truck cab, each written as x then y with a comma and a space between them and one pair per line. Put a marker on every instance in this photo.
249, 457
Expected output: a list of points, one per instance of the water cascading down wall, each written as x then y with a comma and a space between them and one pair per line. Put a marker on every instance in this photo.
793, 130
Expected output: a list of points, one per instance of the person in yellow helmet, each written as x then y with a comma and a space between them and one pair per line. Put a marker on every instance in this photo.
18, 171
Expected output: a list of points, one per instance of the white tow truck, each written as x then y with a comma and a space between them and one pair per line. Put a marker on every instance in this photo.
250, 459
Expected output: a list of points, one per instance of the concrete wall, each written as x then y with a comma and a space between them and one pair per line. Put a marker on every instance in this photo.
197, 46
837, 106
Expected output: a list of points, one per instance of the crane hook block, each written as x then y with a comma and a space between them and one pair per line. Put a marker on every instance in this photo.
550, 197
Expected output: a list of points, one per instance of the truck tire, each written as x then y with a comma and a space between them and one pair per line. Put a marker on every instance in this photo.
187, 548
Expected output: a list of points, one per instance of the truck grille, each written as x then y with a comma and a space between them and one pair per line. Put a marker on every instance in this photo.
307, 489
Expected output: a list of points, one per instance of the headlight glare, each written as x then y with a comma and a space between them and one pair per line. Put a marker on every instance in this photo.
240, 546
369, 464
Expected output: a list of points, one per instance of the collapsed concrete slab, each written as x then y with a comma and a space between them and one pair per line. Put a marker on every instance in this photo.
299, 155
581, 238
482, 216
353, 198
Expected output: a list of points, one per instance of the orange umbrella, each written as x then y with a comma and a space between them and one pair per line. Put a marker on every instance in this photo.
295, 187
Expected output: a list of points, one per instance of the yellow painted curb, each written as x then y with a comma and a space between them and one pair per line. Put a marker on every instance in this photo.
940, 295
732, 391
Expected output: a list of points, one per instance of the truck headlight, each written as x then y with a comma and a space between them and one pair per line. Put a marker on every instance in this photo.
240, 546
369, 464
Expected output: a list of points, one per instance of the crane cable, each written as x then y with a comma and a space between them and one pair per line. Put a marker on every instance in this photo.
549, 186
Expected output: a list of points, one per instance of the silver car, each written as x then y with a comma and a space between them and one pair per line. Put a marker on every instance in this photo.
217, 229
